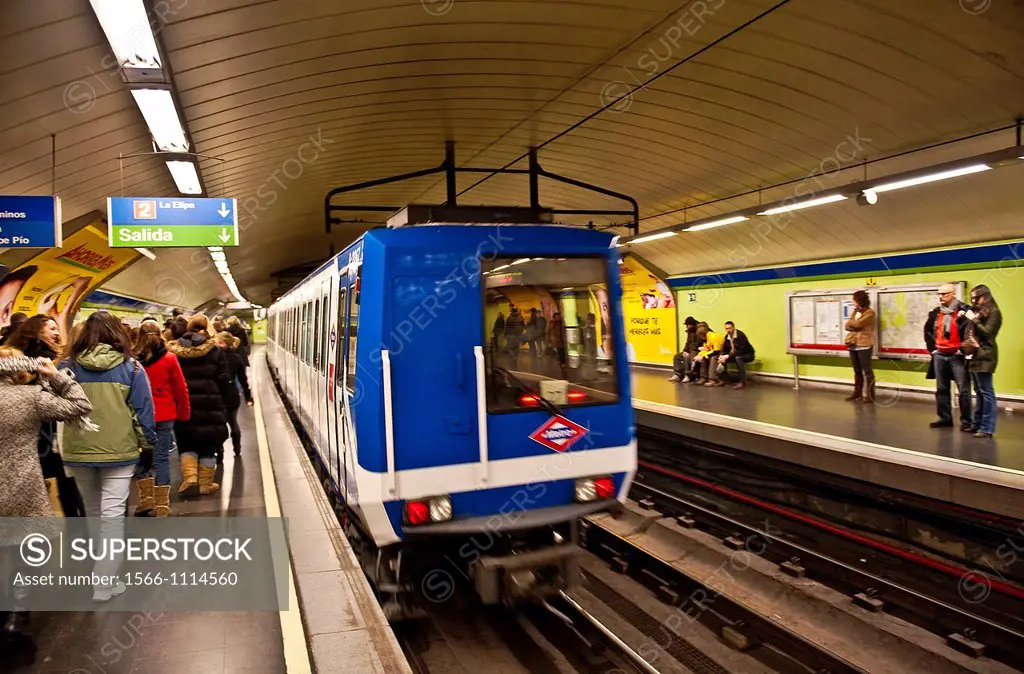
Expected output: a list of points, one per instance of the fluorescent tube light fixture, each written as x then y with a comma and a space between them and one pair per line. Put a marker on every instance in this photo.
127, 27
157, 107
147, 252
214, 249
717, 223
810, 203
218, 257
930, 178
185, 176
653, 237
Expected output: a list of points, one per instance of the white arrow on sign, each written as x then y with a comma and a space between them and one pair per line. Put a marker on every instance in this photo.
224, 211
225, 235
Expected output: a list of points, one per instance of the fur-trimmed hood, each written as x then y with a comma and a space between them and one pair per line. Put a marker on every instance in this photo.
191, 345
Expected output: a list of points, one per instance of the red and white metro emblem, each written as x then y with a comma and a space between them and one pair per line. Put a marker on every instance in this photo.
558, 433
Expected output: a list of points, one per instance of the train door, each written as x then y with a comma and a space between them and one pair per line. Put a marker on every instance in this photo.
433, 379
303, 394
324, 351
316, 388
336, 385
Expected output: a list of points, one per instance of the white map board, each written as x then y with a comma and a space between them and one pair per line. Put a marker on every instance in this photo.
816, 321
902, 312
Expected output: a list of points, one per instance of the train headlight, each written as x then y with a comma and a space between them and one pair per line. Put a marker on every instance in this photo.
433, 509
585, 490
440, 509
594, 488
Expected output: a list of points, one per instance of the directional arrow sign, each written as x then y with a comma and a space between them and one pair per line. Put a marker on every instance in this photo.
165, 222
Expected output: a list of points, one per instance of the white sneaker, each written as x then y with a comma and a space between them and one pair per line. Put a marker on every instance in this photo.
674, 378
686, 379
105, 594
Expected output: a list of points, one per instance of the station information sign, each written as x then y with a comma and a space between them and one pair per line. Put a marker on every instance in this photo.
30, 222
171, 222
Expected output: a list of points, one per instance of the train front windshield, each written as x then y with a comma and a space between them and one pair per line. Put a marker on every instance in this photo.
548, 329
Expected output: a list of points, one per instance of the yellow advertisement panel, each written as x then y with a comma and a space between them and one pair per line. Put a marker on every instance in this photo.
650, 312
56, 281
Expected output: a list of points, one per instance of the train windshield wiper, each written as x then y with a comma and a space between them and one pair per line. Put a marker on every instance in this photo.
545, 403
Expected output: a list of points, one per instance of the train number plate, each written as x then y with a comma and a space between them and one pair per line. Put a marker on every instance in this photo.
558, 433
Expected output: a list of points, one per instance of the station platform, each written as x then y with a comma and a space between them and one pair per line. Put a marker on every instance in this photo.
887, 444
333, 623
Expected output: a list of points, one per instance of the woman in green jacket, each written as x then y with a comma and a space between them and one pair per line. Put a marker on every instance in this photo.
985, 323
100, 359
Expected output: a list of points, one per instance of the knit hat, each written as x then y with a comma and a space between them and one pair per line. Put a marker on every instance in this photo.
690, 320
15, 364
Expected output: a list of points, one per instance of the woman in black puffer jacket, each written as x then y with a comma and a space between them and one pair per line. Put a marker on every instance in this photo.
203, 435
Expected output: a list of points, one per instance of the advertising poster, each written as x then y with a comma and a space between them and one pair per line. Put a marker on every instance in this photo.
56, 281
649, 308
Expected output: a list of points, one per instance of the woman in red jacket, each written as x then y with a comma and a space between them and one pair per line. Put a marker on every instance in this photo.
171, 403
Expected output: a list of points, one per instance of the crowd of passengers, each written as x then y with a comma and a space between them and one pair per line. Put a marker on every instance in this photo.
126, 398
960, 337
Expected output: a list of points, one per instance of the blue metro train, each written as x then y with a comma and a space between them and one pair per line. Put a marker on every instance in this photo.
465, 392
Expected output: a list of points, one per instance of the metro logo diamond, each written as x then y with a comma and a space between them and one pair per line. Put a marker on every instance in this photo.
558, 433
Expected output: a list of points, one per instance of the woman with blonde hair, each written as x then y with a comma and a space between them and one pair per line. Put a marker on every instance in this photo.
203, 435
234, 326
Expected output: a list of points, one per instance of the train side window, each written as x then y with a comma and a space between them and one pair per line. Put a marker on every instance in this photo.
307, 333
325, 337
353, 325
293, 327
340, 352
316, 336
304, 335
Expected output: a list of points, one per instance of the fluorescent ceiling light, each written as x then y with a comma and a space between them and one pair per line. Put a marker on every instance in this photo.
185, 176
218, 256
653, 237
214, 249
128, 31
222, 266
520, 261
717, 223
804, 204
157, 106
930, 178
147, 252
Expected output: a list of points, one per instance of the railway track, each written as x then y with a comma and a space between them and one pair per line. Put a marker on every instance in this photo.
973, 633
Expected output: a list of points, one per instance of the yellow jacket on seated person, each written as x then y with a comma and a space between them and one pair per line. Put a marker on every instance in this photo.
712, 343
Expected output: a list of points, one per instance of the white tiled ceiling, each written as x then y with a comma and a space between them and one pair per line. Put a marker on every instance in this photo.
295, 97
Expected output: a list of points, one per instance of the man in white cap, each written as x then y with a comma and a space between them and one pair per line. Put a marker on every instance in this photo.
944, 333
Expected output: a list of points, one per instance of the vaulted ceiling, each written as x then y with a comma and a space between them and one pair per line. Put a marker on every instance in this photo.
290, 98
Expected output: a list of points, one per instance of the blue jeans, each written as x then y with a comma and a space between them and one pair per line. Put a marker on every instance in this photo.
162, 455
949, 368
985, 407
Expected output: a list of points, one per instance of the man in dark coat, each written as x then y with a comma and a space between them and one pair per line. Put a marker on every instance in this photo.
737, 350
944, 332
682, 363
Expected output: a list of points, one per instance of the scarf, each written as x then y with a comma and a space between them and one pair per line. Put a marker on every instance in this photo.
13, 365
947, 319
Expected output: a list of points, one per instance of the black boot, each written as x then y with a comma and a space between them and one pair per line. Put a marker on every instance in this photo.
858, 387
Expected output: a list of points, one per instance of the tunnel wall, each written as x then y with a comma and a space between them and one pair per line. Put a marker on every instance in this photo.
758, 307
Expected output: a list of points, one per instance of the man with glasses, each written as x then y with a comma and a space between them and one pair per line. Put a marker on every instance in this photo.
944, 333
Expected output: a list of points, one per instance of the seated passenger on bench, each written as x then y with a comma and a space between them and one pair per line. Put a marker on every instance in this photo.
711, 348
682, 363
737, 349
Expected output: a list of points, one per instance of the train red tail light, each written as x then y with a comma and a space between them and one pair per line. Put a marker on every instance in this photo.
594, 488
417, 512
433, 509
577, 396
604, 487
